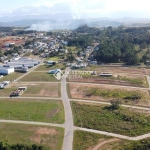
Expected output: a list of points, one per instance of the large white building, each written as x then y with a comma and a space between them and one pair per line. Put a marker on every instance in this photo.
6, 70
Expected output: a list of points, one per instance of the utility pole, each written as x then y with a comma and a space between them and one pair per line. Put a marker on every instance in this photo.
29, 117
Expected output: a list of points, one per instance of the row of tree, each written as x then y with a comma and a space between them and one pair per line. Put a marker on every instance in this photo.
5, 146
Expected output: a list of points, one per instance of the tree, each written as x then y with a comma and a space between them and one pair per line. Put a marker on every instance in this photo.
115, 104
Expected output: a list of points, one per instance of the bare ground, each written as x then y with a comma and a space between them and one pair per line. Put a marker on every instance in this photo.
41, 135
126, 70
113, 81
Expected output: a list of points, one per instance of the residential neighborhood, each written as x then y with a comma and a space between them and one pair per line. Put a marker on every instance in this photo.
83, 89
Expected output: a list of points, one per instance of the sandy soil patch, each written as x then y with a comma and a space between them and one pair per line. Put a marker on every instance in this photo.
42, 134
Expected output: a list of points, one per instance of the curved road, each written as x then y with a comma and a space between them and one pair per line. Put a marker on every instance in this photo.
69, 128
115, 135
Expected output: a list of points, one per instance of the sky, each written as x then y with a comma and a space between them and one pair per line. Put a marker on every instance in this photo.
77, 9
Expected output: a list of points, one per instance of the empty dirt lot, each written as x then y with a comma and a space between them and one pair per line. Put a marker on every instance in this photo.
116, 79
124, 70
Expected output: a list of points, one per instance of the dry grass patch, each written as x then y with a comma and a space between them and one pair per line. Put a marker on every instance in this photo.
125, 121
39, 77
107, 93
50, 137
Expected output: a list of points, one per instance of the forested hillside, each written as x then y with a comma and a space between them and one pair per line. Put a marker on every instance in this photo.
129, 45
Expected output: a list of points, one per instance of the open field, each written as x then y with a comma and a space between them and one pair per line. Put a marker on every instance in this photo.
40, 77
125, 121
35, 89
49, 137
32, 110
107, 93
49, 67
7, 91
116, 79
92, 141
124, 70
72, 49
11, 77
55, 58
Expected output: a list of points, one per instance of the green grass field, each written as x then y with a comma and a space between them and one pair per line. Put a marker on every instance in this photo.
7, 91
40, 77
11, 77
124, 121
49, 137
49, 67
72, 49
55, 58
32, 110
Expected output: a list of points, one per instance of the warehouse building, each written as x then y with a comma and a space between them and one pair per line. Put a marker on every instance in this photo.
6, 70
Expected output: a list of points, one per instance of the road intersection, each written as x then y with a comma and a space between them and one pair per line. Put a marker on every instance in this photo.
68, 125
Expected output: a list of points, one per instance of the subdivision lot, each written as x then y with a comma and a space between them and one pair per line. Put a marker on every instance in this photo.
125, 121
11, 77
49, 67
92, 141
107, 93
49, 137
86, 140
39, 76
34, 89
126, 70
116, 79
38, 89
32, 110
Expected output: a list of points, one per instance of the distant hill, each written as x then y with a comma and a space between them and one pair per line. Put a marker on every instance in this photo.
52, 24
45, 24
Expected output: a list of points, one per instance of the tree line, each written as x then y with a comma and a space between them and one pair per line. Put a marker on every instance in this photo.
5, 146
121, 44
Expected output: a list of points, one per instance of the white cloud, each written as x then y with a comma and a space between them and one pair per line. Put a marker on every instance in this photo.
78, 8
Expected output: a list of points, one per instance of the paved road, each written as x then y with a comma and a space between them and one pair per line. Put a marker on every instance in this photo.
110, 85
114, 135
31, 122
69, 128
21, 97
34, 82
107, 103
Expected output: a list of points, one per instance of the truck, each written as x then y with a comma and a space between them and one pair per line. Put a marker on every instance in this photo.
18, 91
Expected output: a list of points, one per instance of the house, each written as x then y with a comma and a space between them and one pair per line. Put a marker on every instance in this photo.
55, 71
51, 62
